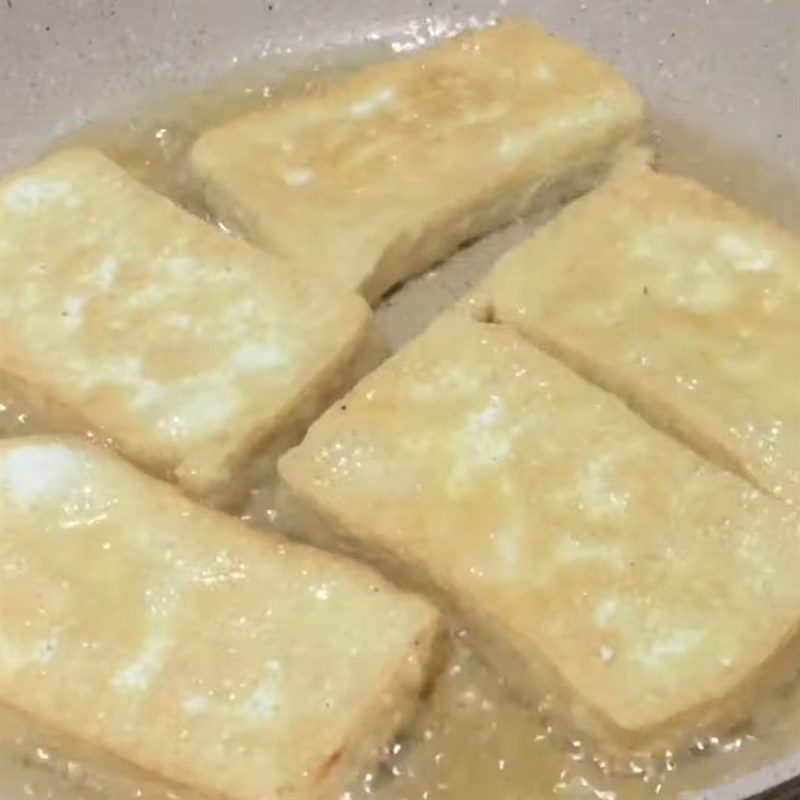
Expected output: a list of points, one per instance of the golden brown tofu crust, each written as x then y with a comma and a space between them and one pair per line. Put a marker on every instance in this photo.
403, 161
190, 350
230, 661
595, 558
679, 301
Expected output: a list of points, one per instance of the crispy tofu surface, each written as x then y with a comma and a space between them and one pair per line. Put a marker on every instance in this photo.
375, 179
226, 660
191, 350
597, 560
679, 301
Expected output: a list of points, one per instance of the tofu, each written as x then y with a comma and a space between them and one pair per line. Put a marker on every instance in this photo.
192, 351
373, 180
682, 303
599, 563
230, 662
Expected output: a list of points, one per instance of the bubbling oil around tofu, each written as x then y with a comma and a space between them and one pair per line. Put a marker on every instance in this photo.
472, 740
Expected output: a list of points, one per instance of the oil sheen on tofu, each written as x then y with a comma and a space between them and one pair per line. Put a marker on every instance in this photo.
402, 162
233, 663
188, 349
594, 557
681, 302
474, 740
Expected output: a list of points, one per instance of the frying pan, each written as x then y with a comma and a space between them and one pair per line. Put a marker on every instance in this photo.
722, 78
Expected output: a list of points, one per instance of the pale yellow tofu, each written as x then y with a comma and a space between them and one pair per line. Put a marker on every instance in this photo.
190, 350
684, 304
375, 179
227, 661
598, 561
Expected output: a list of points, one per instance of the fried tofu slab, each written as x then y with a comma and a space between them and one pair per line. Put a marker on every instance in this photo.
375, 179
679, 301
597, 560
231, 662
193, 352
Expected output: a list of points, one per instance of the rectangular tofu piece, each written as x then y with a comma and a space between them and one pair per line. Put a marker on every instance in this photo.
191, 350
596, 559
226, 660
377, 178
679, 301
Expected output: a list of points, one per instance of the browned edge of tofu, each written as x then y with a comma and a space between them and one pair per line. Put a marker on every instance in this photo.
407, 690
